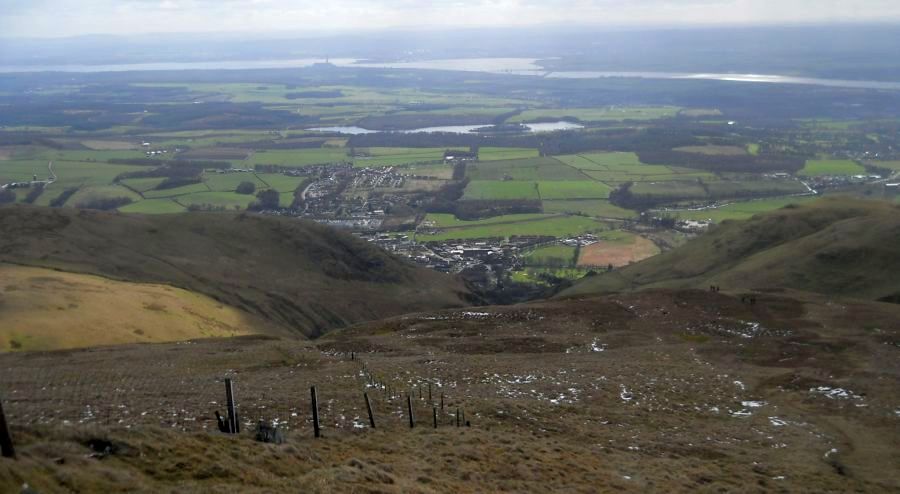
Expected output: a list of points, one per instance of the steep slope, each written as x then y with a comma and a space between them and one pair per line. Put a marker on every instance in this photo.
43, 309
836, 246
295, 273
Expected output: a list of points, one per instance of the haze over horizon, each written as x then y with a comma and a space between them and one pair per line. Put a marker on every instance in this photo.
62, 18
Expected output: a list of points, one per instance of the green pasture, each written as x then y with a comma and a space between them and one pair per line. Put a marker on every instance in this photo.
583, 189
740, 210
498, 190
523, 169
553, 226
495, 153
153, 206
818, 168
612, 113
593, 207
297, 157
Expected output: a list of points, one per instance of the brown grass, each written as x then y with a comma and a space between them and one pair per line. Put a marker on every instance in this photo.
42, 309
651, 412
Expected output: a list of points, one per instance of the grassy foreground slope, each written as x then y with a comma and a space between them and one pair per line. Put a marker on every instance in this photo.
836, 246
297, 274
43, 309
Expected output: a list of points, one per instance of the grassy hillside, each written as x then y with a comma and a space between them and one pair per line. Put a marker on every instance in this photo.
298, 274
836, 246
43, 309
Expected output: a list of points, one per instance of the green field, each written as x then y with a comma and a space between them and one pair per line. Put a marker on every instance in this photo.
573, 190
599, 208
497, 190
532, 274
553, 226
612, 113
741, 210
143, 184
298, 157
523, 169
600, 161
153, 206
379, 157
441, 220
97, 192
228, 182
227, 200
818, 168
177, 191
669, 190
551, 255
494, 153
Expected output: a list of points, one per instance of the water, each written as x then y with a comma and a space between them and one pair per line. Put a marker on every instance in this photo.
352, 131
552, 126
452, 129
757, 78
140, 67
514, 66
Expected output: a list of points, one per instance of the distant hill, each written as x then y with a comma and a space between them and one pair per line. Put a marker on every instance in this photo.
837, 246
297, 274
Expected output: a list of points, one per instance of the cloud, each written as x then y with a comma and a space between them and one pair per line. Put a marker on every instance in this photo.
43, 18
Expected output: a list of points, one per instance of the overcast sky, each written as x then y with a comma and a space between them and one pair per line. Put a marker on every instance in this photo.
54, 18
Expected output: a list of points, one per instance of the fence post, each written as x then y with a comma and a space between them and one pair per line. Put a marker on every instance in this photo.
234, 425
412, 419
429, 393
6, 445
457, 416
442, 402
369, 409
434, 415
315, 411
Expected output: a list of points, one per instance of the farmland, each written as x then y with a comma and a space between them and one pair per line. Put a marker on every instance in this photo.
613, 113
548, 225
630, 164
816, 168
496, 190
617, 248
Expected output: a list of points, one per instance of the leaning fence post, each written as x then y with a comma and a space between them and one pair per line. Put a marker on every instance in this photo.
315, 411
412, 419
234, 425
369, 409
6, 445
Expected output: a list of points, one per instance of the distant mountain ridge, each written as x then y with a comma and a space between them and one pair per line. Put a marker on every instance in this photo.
297, 274
838, 246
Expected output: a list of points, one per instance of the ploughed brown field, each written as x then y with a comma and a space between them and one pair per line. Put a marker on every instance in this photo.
665, 391
618, 253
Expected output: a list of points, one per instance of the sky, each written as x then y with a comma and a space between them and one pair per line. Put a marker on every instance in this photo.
60, 18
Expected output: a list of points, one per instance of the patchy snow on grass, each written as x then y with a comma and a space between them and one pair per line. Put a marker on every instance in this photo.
835, 393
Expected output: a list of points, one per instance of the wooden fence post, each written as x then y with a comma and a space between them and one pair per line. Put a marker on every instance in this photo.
234, 425
434, 415
442, 402
369, 409
412, 418
457, 416
315, 411
429, 393
6, 444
